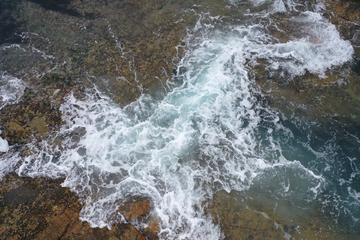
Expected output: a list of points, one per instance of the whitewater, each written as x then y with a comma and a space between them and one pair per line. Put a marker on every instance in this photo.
213, 130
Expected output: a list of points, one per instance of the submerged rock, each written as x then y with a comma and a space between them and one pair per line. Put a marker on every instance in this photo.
40, 209
345, 14
134, 208
240, 217
126, 49
35, 115
138, 209
123, 48
330, 97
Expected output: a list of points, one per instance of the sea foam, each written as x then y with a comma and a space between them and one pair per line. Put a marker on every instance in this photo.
208, 134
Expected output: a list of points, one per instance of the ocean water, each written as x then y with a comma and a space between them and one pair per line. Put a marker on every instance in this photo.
213, 130
11, 90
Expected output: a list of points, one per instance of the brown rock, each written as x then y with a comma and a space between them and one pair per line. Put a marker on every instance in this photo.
39, 126
41, 209
348, 10
134, 208
152, 229
241, 217
133, 234
15, 129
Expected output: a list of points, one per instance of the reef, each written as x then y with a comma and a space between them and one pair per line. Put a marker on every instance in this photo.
125, 49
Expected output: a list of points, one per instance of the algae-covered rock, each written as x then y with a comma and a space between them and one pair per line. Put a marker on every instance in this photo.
134, 208
345, 14
126, 48
41, 209
241, 216
123, 48
35, 115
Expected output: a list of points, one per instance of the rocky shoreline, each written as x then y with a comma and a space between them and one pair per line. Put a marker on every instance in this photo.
39, 208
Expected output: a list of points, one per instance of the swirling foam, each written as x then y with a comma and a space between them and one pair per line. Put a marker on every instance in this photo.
210, 133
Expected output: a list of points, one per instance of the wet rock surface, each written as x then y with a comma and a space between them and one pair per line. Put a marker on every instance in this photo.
346, 16
36, 115
333, 96
241, 218
123, 48
135, 208
41, 209
126, 49
57, 47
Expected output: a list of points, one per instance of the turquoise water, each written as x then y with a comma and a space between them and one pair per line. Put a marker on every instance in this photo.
214, 130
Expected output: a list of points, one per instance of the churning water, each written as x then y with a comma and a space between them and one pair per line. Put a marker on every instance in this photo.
212, 131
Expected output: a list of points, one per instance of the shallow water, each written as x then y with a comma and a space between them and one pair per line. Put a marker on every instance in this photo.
214, 131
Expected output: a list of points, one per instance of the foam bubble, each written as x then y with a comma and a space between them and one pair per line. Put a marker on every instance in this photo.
11, 89
321, 49
4, 145
8, 163
208, 134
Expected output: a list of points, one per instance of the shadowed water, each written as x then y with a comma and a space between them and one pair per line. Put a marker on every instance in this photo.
213, 131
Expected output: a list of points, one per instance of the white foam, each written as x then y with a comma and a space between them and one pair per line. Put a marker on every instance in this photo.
4, 145
11, 89
204, 136
8, 163
268, 7
322, 49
